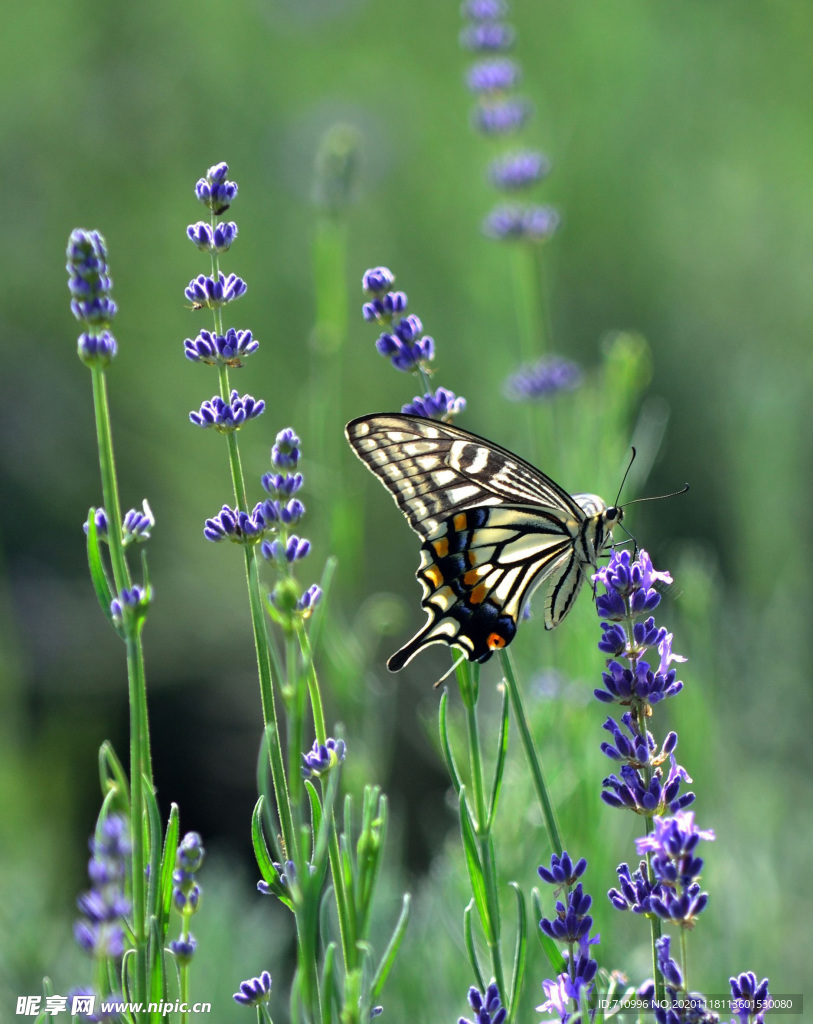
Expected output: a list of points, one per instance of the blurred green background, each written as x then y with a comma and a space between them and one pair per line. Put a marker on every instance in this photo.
682, 143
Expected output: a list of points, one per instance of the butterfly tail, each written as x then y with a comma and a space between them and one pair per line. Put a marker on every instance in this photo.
408, 651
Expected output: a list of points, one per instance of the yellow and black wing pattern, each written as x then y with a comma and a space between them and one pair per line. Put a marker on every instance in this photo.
493, 529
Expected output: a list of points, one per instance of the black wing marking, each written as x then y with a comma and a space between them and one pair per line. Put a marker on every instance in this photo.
434, 470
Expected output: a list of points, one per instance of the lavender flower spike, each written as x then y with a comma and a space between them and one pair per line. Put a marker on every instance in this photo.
487, 1006
254, 991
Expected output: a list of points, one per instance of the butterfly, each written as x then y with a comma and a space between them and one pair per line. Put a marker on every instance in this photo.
494, 528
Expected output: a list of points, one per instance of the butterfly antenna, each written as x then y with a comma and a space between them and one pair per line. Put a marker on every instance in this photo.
448, 672
657, 497
634, 541
626, 474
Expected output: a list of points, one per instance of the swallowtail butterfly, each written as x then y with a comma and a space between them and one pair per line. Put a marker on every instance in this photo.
493, 528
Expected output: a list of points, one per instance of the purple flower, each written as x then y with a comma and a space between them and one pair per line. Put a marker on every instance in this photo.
215, 239
443, 405
292, 550
543, 379
572, 922
102, 526
676, 867
206, 291
377, 280
285, 453
322, 757
137, 526
635, 890
562, 870
501, 117
214, 191
751, 998
220, 349
227, 416
237, 526
280, 485
309, 600
184, 948
130, 601
91, 304
486, 1005
518, 170
254, 991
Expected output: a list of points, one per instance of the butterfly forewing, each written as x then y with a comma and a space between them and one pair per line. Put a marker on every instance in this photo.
494, 528
433, 470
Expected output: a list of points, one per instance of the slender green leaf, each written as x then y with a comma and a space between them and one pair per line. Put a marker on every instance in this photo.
390, 953
328, 984
551, 950
316, 812
153, 845
476, 876
316, 626
113, 778
499, 767
155, 960
265, 789
167, 868
448, 753
471, 949
98, 576
520, 953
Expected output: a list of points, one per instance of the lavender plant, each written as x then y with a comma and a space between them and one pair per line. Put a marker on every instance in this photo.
126, 913
297, 840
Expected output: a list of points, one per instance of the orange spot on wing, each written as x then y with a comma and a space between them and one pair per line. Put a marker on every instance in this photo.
460, 521
434, 575
495, 641
471, 577
441, 547
479, 594
472, 557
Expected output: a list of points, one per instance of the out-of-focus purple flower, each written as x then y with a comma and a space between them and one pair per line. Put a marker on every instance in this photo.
496, 75
488, 37
484, 10
322, 757
214, 191
220, 349
519, 170
543, 379
488, 1008
501, 117
254, 991
443, 405
184, 948
227, 416
309, 600
523, 223
100, 930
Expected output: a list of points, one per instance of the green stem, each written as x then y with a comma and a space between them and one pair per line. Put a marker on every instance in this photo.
545, 803
138, 727
270, 720
140, 759
527, 298
184, 993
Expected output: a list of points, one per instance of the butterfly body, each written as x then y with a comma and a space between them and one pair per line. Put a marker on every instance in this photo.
493, 527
